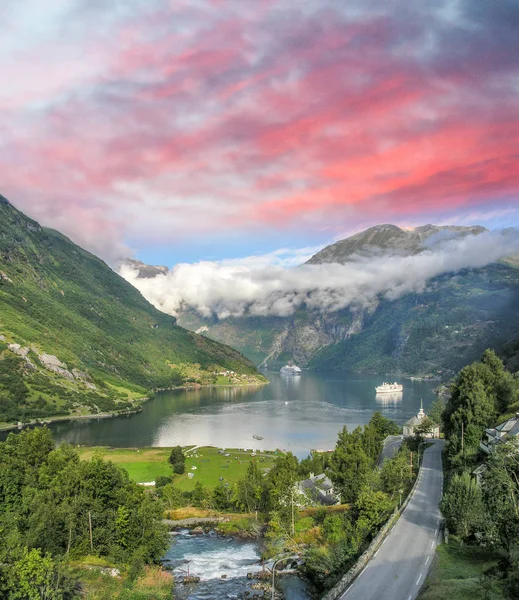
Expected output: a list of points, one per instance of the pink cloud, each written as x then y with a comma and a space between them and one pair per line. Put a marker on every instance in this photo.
223, 117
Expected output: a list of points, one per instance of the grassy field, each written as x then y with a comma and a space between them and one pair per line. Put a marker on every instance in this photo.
153, 584
457, 574
146, 464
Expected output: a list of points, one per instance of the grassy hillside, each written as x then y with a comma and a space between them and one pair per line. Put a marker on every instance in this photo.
110, 345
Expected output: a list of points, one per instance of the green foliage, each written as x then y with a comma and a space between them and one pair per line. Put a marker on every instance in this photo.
373, 508
279, 483
500, 485
36, 577
349, 464
201, 496
424, 428
66, 302
473, 404
249, 492
56, 505
396, 475
177, 460
462, 506
172, 497
316, 463
436, 412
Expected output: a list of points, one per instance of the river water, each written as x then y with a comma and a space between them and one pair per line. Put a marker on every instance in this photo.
210, 556
293, 413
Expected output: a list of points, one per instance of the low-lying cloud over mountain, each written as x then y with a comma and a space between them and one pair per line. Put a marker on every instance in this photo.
240, 288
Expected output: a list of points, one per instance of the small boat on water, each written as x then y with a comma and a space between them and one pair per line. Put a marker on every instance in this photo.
290, 370
257, 437
389, 388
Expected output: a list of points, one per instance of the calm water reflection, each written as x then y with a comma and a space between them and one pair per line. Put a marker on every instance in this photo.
295, 413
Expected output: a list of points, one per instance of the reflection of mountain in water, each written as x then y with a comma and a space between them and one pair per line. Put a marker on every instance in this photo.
389, 398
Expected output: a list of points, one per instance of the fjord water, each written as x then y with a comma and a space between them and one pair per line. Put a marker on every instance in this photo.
294, 413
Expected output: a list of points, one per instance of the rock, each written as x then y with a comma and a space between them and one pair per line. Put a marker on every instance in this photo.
17, 349
52, 363
80, 375
197, 530
2, 338
49, 360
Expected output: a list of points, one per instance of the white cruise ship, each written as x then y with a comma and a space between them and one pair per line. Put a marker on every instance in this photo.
387, 388
290, 370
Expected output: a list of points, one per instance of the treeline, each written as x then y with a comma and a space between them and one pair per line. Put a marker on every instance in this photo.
481, 500
55, 508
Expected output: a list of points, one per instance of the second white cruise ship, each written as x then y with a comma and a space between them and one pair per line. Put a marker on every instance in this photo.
387, 388
290, 370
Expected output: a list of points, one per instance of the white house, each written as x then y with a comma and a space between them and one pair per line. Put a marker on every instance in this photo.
409, 426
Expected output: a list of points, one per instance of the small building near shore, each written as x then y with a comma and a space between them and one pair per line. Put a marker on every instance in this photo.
413, 422
319, 489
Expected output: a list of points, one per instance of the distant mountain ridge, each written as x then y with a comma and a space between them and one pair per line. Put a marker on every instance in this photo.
390, 239
76, 338
431, 333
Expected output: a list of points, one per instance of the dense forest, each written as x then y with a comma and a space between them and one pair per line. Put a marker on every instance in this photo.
481, 498
56, 510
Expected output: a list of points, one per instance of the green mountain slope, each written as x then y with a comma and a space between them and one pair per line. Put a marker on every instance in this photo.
424, 334
77, 338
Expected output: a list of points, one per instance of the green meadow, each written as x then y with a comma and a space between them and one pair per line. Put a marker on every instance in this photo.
146, 464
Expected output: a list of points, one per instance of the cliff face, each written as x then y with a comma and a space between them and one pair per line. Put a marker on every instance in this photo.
428, 333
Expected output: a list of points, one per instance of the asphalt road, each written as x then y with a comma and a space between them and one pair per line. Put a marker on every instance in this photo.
399, 567
392, 444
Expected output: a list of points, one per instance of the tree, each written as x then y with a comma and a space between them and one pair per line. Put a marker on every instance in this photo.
349, 464
470, 409
424, 428
172, 497
279, 483
37, 577
248, 492
462, 506
201, 496
177, 460
373, 509
396, 474
436, 411
222, 497
500, 485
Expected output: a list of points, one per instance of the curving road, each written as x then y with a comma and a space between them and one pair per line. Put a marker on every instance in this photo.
399, 567
391, 445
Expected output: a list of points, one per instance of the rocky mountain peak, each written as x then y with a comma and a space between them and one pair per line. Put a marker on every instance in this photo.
146, 271
389, 239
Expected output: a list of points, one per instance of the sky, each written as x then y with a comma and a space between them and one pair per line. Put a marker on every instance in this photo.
187, 130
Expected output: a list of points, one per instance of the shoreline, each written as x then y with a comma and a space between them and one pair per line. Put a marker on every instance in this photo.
7, 427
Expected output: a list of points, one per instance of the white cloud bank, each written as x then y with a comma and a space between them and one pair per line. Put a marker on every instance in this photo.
250, 286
